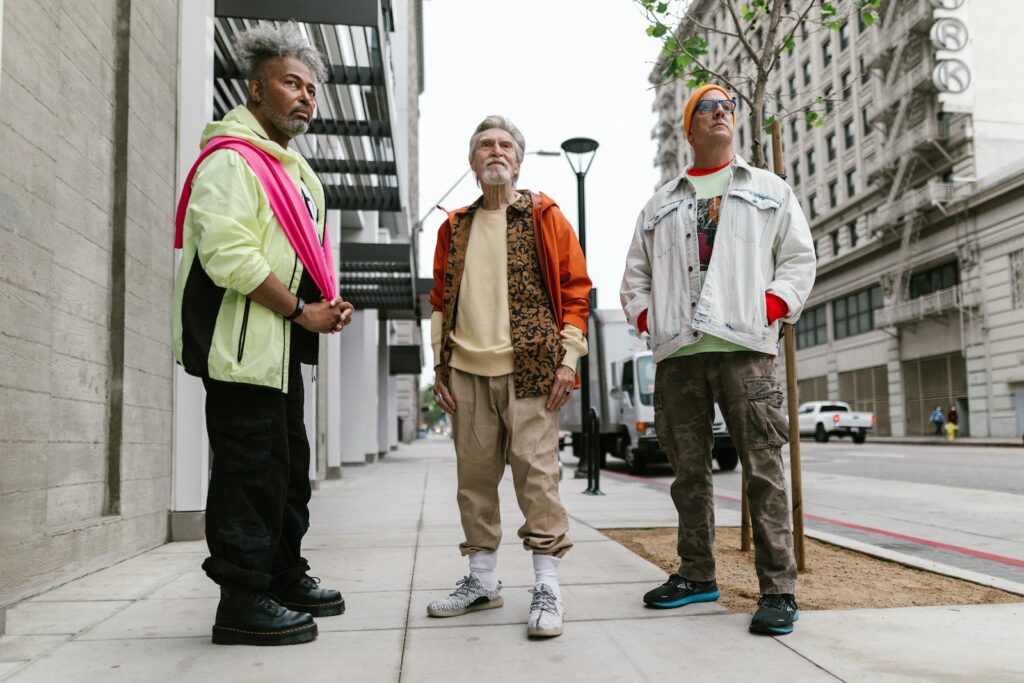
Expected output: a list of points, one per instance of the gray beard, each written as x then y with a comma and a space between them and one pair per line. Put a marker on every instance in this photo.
290, 127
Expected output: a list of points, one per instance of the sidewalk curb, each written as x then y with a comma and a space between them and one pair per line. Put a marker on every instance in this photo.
917, 563
942, 441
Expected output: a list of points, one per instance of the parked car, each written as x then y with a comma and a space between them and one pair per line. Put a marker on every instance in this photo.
825, 419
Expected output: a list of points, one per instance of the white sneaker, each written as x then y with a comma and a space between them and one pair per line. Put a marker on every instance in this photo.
469, 596
545, 613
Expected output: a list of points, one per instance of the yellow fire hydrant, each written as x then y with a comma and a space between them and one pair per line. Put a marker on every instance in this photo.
950, 431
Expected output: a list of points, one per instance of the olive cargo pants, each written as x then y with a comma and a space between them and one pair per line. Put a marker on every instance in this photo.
744, 385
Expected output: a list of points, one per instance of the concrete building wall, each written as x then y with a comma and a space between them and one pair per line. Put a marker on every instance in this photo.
87, 124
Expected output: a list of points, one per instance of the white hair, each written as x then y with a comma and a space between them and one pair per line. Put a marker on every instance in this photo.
266, 41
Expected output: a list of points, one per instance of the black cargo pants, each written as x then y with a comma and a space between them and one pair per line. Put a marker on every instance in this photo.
257, 508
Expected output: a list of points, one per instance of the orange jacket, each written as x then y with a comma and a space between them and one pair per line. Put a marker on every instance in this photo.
562, 263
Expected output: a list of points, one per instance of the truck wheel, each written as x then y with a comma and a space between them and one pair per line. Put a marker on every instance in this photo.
636, 461
820, 435
860, 438
621, 447
727, 459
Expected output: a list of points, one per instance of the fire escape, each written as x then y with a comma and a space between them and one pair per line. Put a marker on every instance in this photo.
910, 146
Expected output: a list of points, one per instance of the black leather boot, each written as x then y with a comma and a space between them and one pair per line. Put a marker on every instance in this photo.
305, 595
245, 617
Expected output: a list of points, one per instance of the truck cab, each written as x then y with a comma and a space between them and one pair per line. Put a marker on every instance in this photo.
632, 399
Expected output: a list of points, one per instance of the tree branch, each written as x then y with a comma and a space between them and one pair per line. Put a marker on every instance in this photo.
739, 28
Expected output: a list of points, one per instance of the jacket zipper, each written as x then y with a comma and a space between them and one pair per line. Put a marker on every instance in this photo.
245, 327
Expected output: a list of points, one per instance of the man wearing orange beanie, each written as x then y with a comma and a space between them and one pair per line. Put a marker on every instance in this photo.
720, 257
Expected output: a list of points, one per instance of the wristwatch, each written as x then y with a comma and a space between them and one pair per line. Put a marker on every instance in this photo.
299, 306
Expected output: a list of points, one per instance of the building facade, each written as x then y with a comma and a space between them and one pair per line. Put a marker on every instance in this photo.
103, 449
912, 186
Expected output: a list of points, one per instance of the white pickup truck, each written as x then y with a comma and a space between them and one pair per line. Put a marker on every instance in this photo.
834, 418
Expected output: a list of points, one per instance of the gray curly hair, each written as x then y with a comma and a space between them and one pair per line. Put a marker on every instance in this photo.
266, 41
505, 124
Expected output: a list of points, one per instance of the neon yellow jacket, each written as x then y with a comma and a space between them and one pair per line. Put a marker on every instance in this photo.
232, 242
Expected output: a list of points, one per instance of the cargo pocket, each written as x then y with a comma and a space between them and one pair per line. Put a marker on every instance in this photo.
240, 445
767, 424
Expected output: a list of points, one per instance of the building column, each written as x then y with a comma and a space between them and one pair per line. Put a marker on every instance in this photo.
331, 372
191, 451
385, 397
894, 372
358, 402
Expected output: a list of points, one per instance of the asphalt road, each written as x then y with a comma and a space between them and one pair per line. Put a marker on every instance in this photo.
959, 506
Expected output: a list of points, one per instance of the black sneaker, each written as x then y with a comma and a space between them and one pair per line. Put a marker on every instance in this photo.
775, 615
245, 617
306, 596
678, 591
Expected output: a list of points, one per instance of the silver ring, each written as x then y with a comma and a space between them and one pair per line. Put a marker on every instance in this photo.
437, 398
568, 392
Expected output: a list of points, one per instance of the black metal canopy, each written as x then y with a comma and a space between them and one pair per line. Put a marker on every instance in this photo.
350, 142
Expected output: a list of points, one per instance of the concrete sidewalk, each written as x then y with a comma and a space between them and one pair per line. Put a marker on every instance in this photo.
386, 535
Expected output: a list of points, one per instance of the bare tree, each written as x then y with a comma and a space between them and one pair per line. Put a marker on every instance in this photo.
764, 30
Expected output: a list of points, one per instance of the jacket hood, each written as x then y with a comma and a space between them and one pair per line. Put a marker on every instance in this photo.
240, 123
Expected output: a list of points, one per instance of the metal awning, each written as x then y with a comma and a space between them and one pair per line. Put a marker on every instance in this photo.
378, 276
350, 143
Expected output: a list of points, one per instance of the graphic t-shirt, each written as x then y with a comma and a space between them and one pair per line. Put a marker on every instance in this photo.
710, 188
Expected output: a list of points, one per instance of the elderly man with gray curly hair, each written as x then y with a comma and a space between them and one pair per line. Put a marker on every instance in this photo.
254, 291
510, 307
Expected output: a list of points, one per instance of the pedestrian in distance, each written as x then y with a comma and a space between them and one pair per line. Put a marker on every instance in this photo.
255, 288
952, 423
720, 257
938, 419
509, 315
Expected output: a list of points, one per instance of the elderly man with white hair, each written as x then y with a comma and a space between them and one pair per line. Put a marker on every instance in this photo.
510, 307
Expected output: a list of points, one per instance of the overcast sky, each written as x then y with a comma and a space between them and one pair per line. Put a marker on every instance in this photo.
559, 69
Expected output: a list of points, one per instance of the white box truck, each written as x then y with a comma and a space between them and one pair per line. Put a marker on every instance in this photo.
622, 390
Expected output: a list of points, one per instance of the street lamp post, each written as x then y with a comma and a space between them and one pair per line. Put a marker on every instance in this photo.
580, 153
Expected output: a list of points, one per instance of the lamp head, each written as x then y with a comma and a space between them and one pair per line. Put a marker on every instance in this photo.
580, 153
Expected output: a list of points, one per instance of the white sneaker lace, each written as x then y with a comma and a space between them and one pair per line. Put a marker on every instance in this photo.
544, 600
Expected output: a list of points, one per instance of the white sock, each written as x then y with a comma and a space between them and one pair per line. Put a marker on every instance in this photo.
482, 565
545, 570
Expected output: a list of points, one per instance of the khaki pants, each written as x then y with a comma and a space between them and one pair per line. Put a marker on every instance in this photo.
744, 385
490, 424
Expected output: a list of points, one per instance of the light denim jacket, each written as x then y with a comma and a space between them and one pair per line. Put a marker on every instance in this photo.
763, 244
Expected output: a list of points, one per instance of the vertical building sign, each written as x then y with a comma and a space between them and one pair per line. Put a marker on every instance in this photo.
951, 41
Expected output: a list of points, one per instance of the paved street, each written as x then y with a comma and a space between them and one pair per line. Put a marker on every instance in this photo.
386, 535
957, 506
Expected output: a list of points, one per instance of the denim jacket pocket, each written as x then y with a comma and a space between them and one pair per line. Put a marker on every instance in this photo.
752, 215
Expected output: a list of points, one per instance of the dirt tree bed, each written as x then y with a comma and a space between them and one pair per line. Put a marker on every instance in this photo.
836, 578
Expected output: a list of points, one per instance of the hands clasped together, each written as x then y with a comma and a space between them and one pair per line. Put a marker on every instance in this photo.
326, 317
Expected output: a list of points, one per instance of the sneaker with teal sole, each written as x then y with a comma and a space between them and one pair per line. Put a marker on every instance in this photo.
775, 615
679, 591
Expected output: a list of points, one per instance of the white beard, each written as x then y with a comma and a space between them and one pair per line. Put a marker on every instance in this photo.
496, 174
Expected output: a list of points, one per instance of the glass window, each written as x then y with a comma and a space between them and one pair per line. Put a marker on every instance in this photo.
812, 328
865, 121
848, 138
829, 104
811, 162
865, 73
826, 52
855, 313
792, 130
812, 202
833, 196
830, 145
934, 279
847, 81
852, 228
792, 86
851, 182
835, 242
796, 172
807, 72
844, 36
